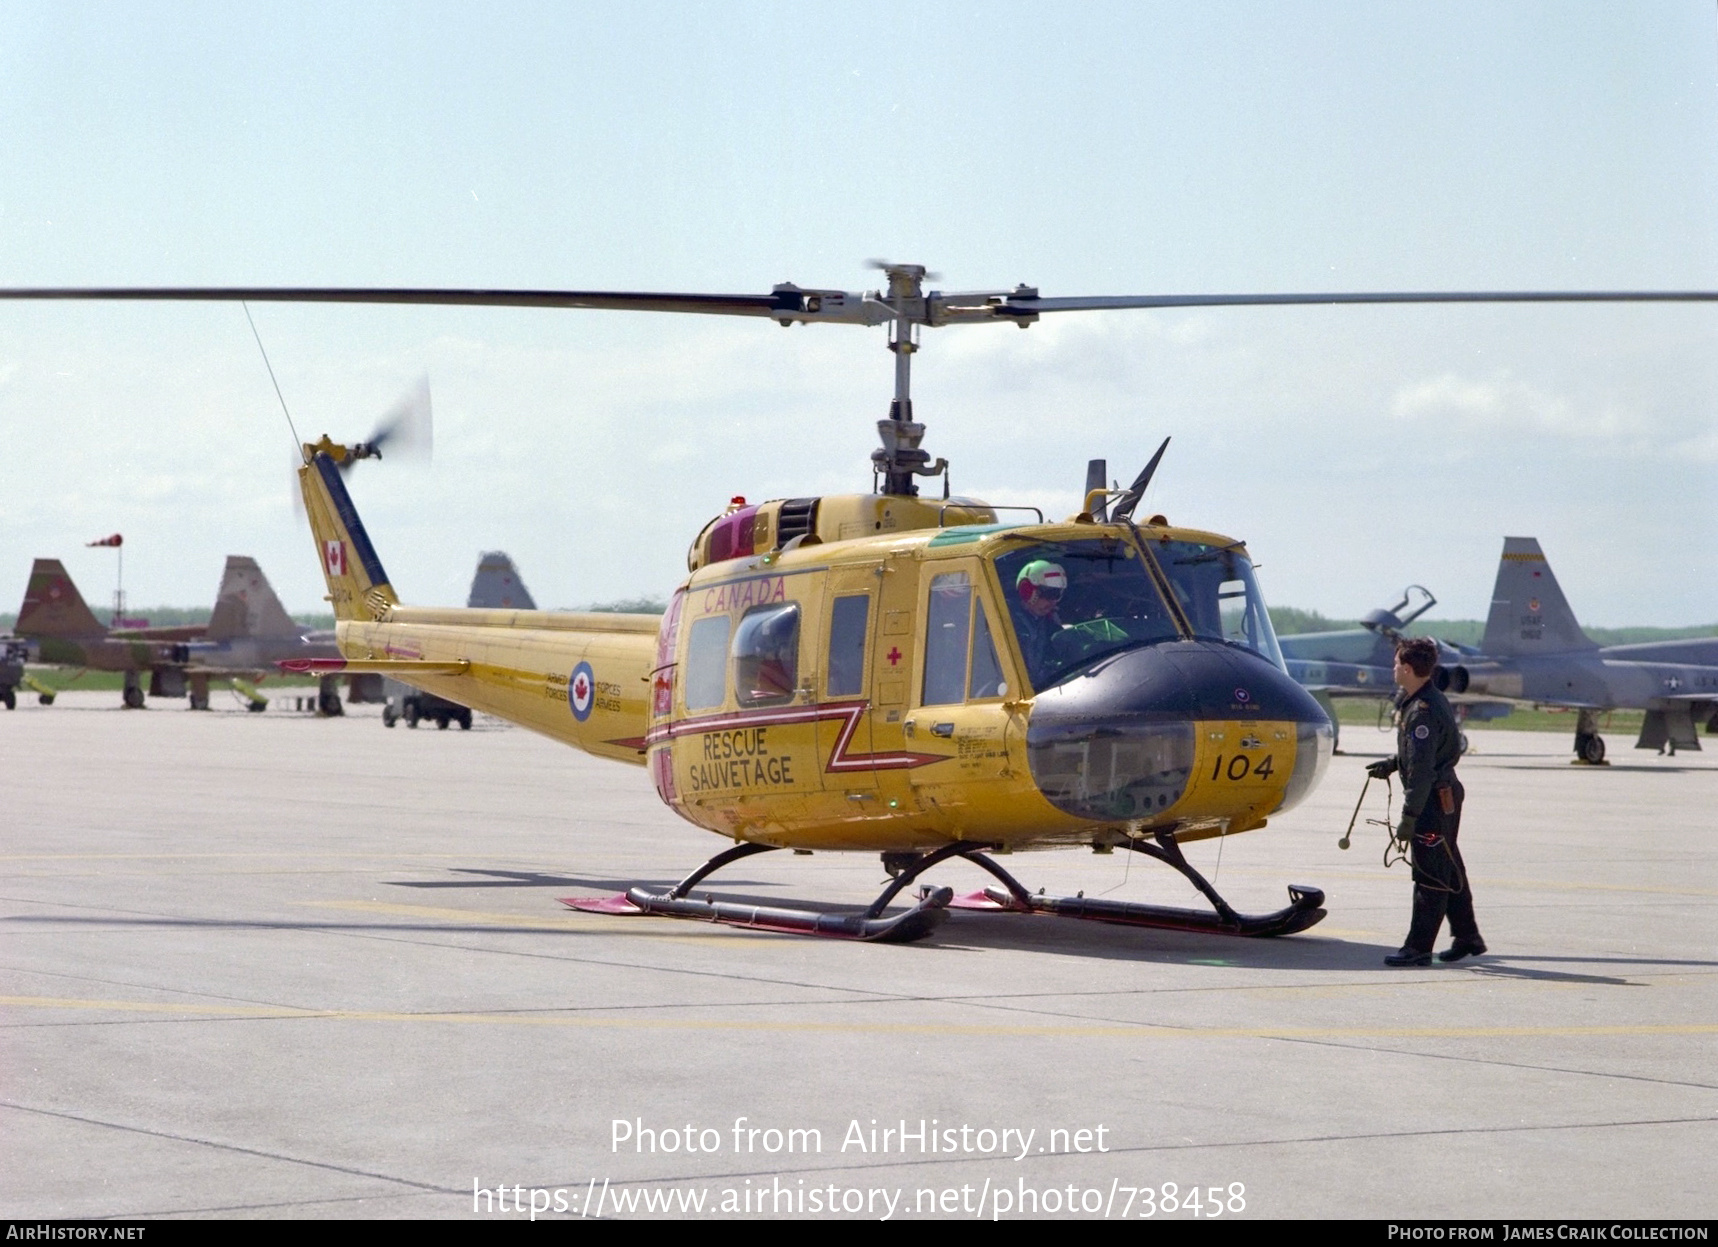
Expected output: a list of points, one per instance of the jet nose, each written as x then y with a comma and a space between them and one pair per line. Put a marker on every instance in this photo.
1122, 740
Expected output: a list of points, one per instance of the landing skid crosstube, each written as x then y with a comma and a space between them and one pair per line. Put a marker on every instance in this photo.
931, 910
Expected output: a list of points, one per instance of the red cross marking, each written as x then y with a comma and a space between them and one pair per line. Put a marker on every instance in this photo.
894, 656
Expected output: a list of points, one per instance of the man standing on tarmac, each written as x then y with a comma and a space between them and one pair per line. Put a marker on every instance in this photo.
1428, 745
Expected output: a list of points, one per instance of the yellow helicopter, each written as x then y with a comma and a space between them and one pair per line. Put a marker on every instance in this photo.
886, 673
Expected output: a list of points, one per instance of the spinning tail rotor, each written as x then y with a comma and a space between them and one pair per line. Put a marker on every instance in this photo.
406, 431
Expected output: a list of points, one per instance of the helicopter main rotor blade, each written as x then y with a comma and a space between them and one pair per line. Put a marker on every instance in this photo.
1033, 306
786, 303
789, 304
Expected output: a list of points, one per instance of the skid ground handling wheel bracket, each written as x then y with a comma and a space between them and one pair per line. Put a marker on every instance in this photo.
1304, 909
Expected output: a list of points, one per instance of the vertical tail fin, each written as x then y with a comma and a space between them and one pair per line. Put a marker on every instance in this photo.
1529, 614
53, 607
358, 588
497, 584
247, 606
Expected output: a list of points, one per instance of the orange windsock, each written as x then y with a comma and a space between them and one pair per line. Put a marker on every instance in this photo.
115, 540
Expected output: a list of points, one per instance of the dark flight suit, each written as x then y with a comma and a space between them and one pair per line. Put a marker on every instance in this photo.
1428, 745
1035, 635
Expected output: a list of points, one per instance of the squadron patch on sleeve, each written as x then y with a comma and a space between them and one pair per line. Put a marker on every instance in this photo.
1421, 732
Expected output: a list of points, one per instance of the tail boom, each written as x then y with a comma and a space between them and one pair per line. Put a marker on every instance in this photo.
583, 686
580, 678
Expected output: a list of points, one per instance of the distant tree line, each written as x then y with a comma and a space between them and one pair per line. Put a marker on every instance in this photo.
1292, 621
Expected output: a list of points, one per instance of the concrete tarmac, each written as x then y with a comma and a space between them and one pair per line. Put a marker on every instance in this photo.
269, 965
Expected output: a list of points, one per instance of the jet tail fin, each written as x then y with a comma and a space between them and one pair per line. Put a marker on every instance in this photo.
247, 606
1529, 614
497, 585
53, 607
358, 588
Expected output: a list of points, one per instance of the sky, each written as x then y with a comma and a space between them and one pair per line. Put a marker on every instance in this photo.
1085, 149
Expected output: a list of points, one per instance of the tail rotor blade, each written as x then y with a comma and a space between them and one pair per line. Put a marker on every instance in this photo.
1128, 501
295, 492
406, 431
408, 428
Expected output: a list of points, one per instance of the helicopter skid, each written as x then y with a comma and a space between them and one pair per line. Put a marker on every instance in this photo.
1303, 911
1305, 905
902, 928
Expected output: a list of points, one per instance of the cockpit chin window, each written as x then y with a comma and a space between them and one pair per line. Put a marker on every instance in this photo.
1074, 602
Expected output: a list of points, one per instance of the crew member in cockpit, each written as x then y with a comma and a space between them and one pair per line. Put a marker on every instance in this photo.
1039, 587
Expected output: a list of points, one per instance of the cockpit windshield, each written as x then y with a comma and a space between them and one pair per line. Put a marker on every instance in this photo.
1072, 602
1219, 595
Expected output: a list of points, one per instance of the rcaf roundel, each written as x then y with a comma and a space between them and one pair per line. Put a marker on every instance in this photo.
334, 555
582, 691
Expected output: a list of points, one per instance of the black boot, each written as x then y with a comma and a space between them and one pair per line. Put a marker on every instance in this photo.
1462, 948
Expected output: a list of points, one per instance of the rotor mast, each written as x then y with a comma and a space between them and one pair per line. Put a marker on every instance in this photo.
900, 458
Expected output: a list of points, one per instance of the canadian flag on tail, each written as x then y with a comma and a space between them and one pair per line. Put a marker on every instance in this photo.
334, 555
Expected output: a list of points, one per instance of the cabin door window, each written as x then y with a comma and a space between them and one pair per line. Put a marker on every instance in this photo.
706, 684
766, 655
844, 722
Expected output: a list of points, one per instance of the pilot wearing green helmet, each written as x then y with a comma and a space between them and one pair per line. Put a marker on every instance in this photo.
1039, 586
1051, 645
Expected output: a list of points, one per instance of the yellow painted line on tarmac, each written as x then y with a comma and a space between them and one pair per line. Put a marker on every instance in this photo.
1107, 1030
158, 1006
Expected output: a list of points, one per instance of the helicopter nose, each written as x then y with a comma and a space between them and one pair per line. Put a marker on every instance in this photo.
1120, 740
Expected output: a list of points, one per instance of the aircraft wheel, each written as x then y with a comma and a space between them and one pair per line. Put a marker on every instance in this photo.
389, 716
1462, 738
199, 703
10, 698
441, 722
47, 699
1592, 749
411, 714
133, 698
465, 720
256, 707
